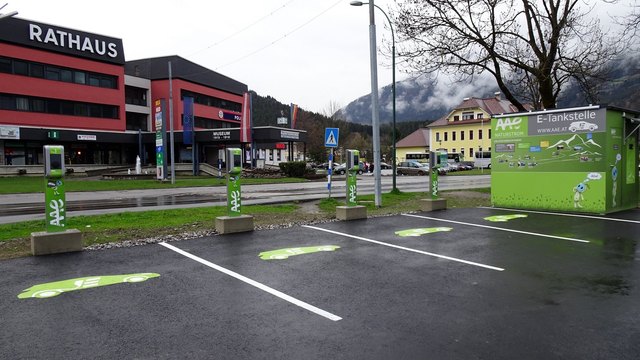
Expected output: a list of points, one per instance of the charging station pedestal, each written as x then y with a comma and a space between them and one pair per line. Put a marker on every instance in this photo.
352, 210
235, 221
57, 238
434, 202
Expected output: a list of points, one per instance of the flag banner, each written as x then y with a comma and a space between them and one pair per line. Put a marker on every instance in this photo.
294, 115
187, 120
245, 123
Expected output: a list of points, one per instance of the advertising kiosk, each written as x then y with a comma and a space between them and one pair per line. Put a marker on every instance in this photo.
575, 160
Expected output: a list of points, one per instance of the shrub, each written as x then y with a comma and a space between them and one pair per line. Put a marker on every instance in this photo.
293, 168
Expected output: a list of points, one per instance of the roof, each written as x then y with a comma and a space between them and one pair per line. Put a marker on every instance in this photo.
158, 69
418, 138
492, 106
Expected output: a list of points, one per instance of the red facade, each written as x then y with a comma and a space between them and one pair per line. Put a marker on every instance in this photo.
40, 87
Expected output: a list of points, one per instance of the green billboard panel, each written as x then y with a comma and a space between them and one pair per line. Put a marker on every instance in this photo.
564, 159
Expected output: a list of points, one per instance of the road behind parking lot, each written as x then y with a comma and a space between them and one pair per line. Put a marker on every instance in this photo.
23, 207
542, 286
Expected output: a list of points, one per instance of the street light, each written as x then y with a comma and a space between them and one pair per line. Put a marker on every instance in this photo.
393, 87
375, 115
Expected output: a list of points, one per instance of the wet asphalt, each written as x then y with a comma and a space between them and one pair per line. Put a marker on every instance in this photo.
543, 286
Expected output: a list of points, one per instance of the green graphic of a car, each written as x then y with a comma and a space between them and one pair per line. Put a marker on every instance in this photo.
52, 289
421, 231
281, 254
503, 218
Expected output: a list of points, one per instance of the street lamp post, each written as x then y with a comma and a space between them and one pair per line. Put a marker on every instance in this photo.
393, 87
375, 115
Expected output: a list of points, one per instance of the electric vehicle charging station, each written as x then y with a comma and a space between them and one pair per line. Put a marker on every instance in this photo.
234, 170
434, 202
235, 221
57, 238
55, 201
353, 165
576, 160
352, 210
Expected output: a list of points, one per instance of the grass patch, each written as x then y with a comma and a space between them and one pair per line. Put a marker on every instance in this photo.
101, 229
35, 184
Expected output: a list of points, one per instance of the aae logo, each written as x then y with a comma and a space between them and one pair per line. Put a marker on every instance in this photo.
508, 124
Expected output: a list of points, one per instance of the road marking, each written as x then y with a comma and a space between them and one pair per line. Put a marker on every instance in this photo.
260, 286
561, 214
406, 248
498, 228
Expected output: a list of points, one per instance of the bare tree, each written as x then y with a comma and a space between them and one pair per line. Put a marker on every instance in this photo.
332, 110
532, 48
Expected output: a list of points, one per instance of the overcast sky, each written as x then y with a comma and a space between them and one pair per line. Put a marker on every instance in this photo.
311, 53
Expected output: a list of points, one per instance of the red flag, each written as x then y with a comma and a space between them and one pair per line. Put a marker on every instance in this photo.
294, 115
245, 123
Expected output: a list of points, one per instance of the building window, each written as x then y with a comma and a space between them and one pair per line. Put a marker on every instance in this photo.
212, 101
480, 134
456, 118
56, 73
453, 136
136, 121
79, 77
489, 133
135, 96
21, 68
470, 152
446, 137
56, 106
467, 115
479, 116
462, 135
437, 136
470, 134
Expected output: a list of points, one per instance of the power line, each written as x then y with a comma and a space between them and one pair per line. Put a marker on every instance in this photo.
282, 37
244, 28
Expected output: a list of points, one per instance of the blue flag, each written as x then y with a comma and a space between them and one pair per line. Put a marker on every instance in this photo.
187, 120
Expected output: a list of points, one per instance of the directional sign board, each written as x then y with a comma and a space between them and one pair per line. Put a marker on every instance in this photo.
331, 137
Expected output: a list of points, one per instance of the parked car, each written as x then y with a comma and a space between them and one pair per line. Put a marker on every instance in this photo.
412, 168
341, 169
385, 166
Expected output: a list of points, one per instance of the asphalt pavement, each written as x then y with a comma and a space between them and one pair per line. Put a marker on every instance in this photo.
455, 284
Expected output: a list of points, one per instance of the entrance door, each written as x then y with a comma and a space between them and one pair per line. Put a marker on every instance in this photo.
629, 166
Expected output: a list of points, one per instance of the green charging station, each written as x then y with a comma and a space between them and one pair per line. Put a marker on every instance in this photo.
56, 238
576, 160
234, 170
55, 202
353, 165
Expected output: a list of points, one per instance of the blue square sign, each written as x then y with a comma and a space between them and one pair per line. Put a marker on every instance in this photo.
331, 137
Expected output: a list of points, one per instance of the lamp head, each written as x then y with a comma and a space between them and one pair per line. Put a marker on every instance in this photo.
356, 3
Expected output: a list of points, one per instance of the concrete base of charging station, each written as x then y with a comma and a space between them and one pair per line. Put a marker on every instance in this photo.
351, 212
431, 204
234, 224
45, 243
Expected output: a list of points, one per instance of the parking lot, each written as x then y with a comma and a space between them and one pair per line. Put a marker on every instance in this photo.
457, 284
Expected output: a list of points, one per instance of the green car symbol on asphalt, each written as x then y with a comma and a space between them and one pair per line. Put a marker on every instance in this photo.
502, 218
421, 231
285, 253
52, 289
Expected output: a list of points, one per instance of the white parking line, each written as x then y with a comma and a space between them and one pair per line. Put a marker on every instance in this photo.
260, 286
561, 214
406, 248
497, 228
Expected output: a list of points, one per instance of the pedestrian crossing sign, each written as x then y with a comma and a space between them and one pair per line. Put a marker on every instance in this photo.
331, 137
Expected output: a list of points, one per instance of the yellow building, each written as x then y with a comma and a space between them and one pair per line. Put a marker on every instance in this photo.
467, 128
